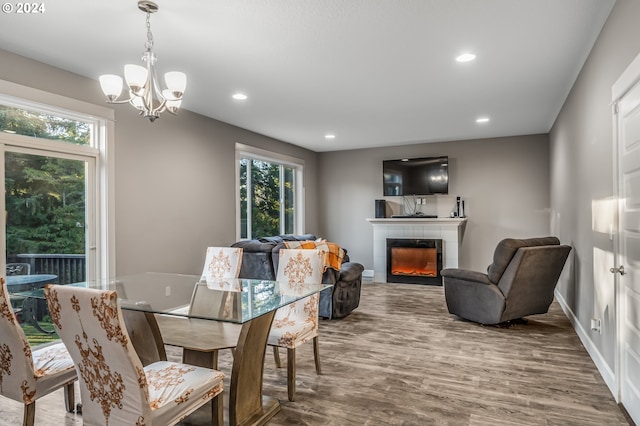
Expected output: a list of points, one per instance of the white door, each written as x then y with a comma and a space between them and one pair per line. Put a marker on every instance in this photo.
627, 269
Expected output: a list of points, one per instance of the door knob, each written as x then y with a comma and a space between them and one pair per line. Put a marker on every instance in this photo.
617, 270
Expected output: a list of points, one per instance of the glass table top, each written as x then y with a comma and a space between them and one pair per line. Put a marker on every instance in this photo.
235, 300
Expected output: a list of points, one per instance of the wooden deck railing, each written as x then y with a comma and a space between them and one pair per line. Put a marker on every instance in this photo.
70, 268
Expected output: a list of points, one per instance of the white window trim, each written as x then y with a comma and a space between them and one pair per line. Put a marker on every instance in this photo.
243, 150
104, 129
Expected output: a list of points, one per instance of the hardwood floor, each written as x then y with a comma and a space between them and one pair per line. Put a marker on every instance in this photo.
401, 359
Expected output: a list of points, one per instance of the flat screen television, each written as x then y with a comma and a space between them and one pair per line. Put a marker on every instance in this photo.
416, 176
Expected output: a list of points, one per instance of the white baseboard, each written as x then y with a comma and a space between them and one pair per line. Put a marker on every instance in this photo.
607, 374
367, 275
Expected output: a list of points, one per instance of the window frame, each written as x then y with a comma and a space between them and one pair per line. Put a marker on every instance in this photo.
101, 153
297, 164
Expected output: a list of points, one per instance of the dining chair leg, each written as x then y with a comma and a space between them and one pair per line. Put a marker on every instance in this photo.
276, 357
215, 359
29, 414
291, 374
217, 410
69, 398
316, 355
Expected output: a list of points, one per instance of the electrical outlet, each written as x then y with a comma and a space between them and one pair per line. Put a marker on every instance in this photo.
595, 325
167, 290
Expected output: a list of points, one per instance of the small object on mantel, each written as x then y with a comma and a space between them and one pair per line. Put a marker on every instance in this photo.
414, 216
459, 208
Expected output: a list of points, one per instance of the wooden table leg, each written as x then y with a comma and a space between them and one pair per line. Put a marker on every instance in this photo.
247, 405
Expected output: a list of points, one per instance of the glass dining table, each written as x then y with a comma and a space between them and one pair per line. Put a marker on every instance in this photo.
186, 311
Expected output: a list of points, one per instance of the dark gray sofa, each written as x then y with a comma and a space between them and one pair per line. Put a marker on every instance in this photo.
260, 260
520, 281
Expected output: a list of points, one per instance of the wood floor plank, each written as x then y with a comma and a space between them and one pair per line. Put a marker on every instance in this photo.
401, 359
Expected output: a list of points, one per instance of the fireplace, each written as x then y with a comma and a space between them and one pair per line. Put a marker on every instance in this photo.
414, 261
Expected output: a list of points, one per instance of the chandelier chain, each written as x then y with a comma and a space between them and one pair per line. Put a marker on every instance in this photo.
149, 44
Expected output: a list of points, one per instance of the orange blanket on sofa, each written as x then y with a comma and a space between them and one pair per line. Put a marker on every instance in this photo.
333, 253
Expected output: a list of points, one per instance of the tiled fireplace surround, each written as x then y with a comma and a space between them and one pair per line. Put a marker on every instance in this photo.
450, 231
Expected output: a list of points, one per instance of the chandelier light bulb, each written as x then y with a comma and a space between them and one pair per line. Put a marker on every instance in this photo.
136, 101
136, 77
173, 105
111, 85
171, 100
176, 83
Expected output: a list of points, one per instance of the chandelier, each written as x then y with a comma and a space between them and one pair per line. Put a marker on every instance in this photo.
145, 93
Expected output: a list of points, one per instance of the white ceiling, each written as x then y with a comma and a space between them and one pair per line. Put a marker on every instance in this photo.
373, 72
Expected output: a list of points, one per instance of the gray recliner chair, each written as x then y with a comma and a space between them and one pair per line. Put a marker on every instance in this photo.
519, 282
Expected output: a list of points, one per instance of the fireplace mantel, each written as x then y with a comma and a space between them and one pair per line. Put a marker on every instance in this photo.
450, 230
418, 219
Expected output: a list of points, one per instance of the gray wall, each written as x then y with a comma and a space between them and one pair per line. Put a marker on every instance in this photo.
582, 177
175, 178
504, 182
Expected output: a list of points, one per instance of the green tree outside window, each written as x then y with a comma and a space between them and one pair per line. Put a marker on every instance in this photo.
262, 185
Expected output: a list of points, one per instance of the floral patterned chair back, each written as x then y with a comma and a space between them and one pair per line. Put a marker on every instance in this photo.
297, 322
221, 268
116, 389
26, 374
221, 263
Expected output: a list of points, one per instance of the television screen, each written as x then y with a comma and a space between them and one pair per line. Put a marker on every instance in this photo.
416, 176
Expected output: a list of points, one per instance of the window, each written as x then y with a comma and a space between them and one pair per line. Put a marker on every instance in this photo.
269, 193
37, 124
55, 174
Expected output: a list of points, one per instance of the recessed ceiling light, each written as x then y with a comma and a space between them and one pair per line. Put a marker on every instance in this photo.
239, 96
482, 120
466, 57
329, 136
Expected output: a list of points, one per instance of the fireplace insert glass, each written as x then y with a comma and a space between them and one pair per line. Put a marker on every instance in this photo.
414, 261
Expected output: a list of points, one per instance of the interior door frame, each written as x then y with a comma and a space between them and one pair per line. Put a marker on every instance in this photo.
627, 80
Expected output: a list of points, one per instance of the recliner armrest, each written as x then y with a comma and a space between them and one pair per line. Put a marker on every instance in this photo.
466, 275
350, 271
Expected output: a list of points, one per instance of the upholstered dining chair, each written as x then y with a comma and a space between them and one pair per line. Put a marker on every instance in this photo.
221, 268
115, 387
27, 374
297, 322
222, 263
